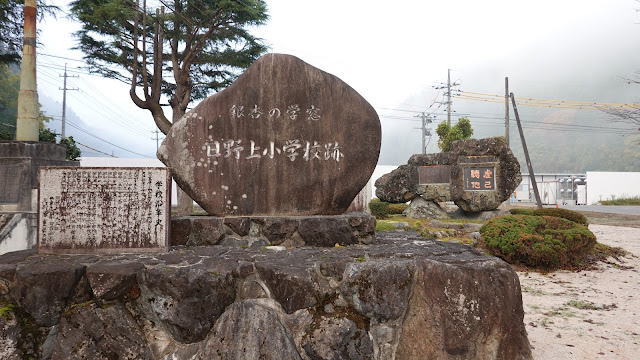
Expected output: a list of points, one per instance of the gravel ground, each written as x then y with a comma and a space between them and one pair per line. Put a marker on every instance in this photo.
589, 314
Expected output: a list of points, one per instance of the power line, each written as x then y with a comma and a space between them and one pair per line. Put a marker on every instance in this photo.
96, 150
101, 139
561, 104
60, 57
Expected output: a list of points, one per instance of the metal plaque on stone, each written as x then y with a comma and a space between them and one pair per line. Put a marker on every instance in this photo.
103, 210
479, 178
434, 174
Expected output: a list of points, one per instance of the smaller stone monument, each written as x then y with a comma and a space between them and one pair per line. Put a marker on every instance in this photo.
103, 210
477, 175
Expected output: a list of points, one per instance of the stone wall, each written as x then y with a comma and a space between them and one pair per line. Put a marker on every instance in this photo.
404, 298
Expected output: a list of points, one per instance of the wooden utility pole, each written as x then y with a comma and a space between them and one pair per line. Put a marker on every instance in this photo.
506, 109
27, 125
532, 176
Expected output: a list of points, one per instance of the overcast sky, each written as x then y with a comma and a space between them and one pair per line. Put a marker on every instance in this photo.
393, 54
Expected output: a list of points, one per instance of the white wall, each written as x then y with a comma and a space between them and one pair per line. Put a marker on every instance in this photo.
19, 233
603, 185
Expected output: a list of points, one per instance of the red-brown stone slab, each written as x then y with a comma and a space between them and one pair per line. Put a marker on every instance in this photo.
284, 139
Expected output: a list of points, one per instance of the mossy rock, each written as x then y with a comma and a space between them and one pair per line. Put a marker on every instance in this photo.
555, 212
542, 242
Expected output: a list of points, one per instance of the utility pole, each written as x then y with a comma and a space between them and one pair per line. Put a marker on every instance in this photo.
27, 126
532, 176
506, 108
157, 138
426, 132
449, 97
64, 100
448, 93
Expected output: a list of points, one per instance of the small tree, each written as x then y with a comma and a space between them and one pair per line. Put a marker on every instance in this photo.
448, 134
197, 47
46, 135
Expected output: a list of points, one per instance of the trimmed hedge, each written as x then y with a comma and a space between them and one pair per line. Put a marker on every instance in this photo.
397, 209
544, 242
379, 209
561, 213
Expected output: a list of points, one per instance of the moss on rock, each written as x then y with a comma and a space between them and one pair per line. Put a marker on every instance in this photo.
543, 242
561, 213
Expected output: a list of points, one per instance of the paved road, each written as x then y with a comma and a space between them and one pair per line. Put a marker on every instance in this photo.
624, 210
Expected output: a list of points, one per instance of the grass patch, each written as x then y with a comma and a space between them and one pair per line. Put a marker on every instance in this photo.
382, 225
588, 305
624, 201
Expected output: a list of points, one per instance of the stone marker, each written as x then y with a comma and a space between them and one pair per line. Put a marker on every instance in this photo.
108, 210
284, 139
477, 174
484, 173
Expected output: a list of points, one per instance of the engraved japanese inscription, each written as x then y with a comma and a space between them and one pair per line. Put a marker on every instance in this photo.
83, 210
285, 139
479, 178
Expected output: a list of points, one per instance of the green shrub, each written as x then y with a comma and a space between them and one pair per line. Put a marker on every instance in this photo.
379, 209
561, 213
543, 242
397, 208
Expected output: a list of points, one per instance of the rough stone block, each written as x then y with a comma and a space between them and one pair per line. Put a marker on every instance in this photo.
402, 298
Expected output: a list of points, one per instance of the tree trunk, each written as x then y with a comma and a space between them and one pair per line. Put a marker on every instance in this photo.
185, 203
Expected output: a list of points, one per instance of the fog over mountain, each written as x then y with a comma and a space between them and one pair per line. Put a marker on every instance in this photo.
591, 67
394, 56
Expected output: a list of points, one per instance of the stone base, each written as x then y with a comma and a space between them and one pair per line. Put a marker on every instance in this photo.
403, 298
286, 231
480, 215
424, 209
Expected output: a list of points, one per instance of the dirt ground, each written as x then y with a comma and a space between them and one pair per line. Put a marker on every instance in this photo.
612, 219
589, 314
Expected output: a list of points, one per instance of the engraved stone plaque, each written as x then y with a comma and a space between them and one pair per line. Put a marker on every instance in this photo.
285, 139
479, 178
103, 210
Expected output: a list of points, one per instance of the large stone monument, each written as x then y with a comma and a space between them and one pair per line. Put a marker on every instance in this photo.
284, 139
477, 175
276, 158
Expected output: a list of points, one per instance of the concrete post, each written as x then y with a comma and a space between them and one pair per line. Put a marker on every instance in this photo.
27, 122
